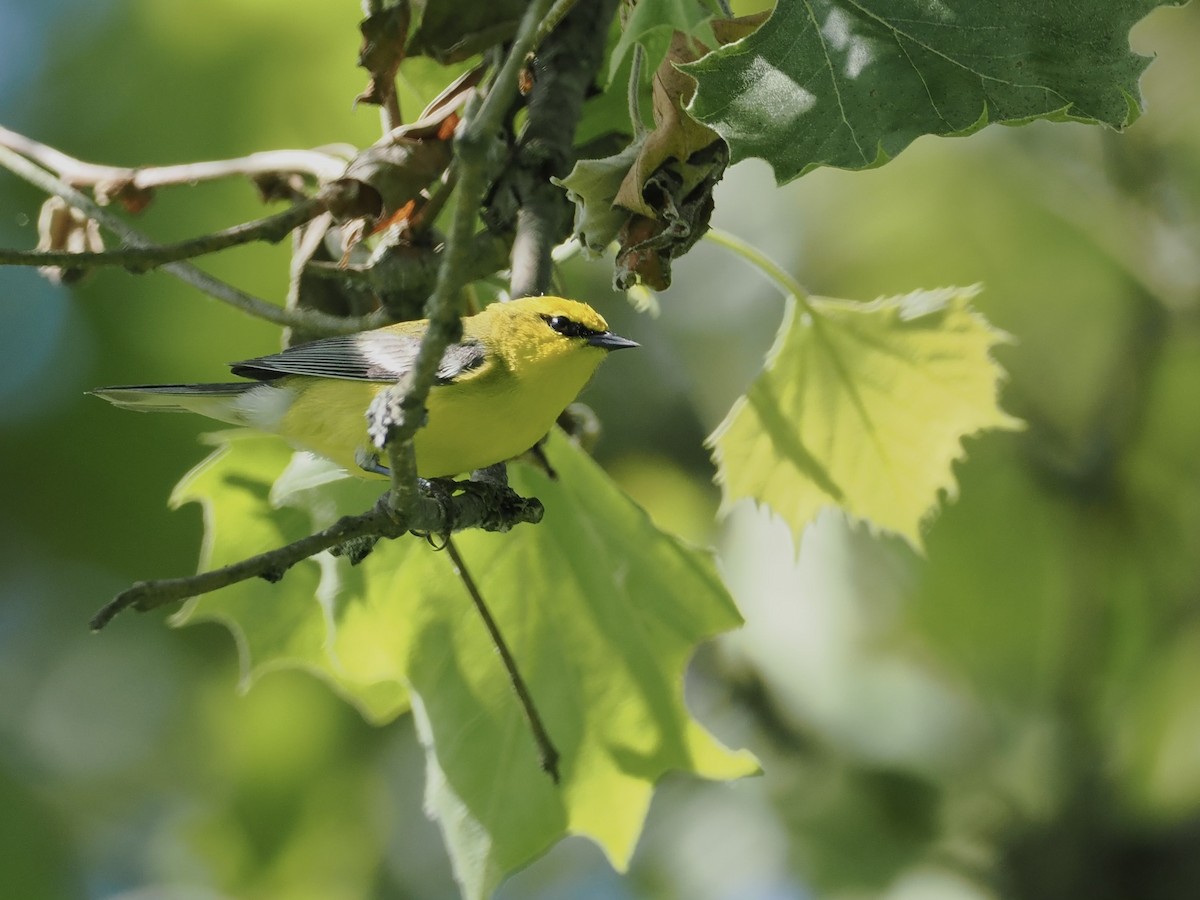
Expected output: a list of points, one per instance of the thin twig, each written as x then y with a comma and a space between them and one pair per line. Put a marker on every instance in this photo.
77, 173
389, 112
185, 271
568, 62
547, 753
148, 595
389, 109
321, 166
139, 259
489, 507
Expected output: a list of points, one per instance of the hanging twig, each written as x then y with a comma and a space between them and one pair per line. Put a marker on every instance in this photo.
547, 753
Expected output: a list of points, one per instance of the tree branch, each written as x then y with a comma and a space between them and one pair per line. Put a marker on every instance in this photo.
436, 509
410, 505
140, 259
398, 412
566, 66
185, 271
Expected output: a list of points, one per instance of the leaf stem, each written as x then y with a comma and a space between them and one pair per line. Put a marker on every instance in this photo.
633, 96
751, 254
547, 753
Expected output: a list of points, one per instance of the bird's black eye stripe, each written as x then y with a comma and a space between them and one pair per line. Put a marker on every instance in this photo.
569, 327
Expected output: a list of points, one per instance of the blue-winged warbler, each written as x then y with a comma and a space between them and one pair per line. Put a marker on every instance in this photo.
497, 393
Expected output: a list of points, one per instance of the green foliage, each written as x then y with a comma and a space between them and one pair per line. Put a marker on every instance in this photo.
1022, 692
591, 186
601, 608
651, 24
246, 512
864, 406
834, 83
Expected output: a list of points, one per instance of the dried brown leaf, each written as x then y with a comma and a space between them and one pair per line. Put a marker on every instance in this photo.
384, 37
62, 227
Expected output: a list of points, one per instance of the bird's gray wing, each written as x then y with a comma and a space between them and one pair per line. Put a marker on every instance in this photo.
383, 356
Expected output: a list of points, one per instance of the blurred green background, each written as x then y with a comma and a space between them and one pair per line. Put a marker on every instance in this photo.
1015, 715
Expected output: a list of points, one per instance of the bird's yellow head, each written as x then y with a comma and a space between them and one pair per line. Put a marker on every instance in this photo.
540, 329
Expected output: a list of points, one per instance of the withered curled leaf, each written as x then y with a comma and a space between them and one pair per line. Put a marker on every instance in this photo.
384, 37
681, 197
386, 182
676, 135
63, 227
655, 196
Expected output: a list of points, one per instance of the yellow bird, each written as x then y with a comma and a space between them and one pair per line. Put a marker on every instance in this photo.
497, 393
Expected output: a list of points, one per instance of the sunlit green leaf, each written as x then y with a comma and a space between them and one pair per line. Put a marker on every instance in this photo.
863, 406
289, 624
602, 611
852, 84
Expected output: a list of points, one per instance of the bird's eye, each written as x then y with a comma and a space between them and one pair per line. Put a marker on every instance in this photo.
568, 327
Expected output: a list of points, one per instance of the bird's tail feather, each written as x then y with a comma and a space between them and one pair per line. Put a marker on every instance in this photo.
217, 401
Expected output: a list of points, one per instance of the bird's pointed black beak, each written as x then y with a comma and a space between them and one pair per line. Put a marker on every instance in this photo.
610, 341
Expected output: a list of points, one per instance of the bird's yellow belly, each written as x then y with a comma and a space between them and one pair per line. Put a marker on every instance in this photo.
471, 424
469, 429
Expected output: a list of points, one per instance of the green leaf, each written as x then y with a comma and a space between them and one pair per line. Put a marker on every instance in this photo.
592, 186
651, 24
243, 516
863, 406
851, 84
602, 612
